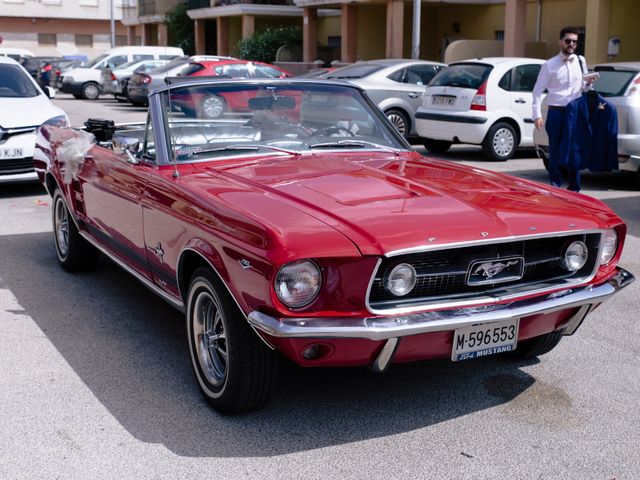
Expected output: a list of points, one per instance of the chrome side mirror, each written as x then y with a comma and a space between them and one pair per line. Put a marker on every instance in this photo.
126, 145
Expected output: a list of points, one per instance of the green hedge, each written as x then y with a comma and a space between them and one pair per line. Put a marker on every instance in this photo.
180, 29
262, 47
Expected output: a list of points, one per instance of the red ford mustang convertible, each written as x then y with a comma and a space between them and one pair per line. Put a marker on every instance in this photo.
305, 226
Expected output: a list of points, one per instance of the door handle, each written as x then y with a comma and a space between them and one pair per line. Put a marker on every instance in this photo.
414, 95
520, 100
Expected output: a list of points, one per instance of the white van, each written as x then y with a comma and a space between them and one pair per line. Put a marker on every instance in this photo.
83, 82
16, 53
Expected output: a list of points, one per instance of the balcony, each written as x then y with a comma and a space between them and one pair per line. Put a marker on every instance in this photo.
156, 7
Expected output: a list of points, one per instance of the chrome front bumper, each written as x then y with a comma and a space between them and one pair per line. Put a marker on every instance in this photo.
386, 328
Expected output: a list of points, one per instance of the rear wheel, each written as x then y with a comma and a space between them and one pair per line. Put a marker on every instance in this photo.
501, 142
212, 106
75, 254
436, 146
235, 370
534, 347
399, 120
90, 91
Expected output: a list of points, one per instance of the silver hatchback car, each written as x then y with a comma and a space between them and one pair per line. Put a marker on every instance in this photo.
395, 85
619, 84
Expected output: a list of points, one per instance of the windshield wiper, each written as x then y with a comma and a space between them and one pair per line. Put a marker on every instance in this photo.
235, 148
353, 144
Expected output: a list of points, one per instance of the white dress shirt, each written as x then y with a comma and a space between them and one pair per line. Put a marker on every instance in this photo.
562, 78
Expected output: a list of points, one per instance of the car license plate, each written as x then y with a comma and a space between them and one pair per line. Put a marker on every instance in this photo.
486, 339
443, 100
11, 152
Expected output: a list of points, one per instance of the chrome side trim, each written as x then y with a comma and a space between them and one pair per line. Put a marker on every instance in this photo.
486, 299
385, 356
383, 328
147, 283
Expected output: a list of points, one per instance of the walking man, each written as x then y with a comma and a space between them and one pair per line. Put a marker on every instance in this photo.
562, 77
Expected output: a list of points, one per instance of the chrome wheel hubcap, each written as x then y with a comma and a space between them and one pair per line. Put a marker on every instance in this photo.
210, 338
91, 91
62, 228
213, 106
398, 122
503, 142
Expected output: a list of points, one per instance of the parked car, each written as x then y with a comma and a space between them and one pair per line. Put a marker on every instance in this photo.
307, 227
115, 80
58, 72
619, 84
396, 85
140, 85
46, 69
83, 82
23, 108
316, 72
484, 102
31, 64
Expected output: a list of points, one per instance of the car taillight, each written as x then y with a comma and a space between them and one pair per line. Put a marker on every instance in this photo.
479, 102
145, 78
57, 72
634, 88
113, 77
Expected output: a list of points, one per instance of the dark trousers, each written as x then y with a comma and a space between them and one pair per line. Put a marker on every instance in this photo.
555, 127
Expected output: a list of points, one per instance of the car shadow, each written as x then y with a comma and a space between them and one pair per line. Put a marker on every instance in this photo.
128, 347
22, 189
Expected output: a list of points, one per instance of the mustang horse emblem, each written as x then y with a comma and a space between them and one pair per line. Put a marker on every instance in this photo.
491, 269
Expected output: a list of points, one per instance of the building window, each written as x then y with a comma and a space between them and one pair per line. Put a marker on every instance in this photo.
334, 41
84, 40
47, 39
499, 35
121, 40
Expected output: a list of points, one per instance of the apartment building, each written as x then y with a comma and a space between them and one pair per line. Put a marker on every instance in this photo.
62, 27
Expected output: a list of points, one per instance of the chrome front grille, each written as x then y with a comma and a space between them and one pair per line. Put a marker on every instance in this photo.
443, 274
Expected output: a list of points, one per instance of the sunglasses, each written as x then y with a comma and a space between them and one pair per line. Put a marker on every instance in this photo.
568, 41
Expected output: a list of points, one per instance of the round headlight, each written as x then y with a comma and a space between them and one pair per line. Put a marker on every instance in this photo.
298, 283
575, 256
401, 279
609, 246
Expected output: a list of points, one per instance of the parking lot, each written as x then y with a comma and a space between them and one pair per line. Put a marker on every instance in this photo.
109, 392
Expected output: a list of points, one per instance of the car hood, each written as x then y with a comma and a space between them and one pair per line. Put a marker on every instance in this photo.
26, 112
384, 202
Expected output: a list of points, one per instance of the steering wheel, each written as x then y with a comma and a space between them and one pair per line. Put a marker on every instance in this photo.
334, 130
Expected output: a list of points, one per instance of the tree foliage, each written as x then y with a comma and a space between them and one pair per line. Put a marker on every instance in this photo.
262, 47
180, 29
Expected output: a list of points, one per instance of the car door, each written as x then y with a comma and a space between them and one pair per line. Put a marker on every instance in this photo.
521, 83
414, 80
111, 189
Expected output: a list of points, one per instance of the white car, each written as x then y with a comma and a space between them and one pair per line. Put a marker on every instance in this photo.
23, 108
484, 101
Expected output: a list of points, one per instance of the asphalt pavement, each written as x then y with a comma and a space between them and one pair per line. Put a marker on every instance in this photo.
96, 381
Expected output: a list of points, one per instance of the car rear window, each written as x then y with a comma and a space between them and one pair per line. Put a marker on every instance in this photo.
613, 83
464, 75
355, 71
191, 69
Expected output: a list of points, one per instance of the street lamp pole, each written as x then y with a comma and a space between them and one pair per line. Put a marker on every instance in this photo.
415, 46
113, 25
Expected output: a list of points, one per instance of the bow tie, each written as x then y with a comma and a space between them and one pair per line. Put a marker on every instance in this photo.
568, 59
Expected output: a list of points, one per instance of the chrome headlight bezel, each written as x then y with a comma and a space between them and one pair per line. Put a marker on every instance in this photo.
401, 279
58, 121
609, 246
297, 284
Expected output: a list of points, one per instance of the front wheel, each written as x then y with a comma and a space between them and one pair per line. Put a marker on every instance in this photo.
500, 143
90, 91
236, 372
75, 254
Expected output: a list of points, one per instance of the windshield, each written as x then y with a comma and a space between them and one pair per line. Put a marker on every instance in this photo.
15, 84
463, 75
96, 60
355, 71
216, 120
